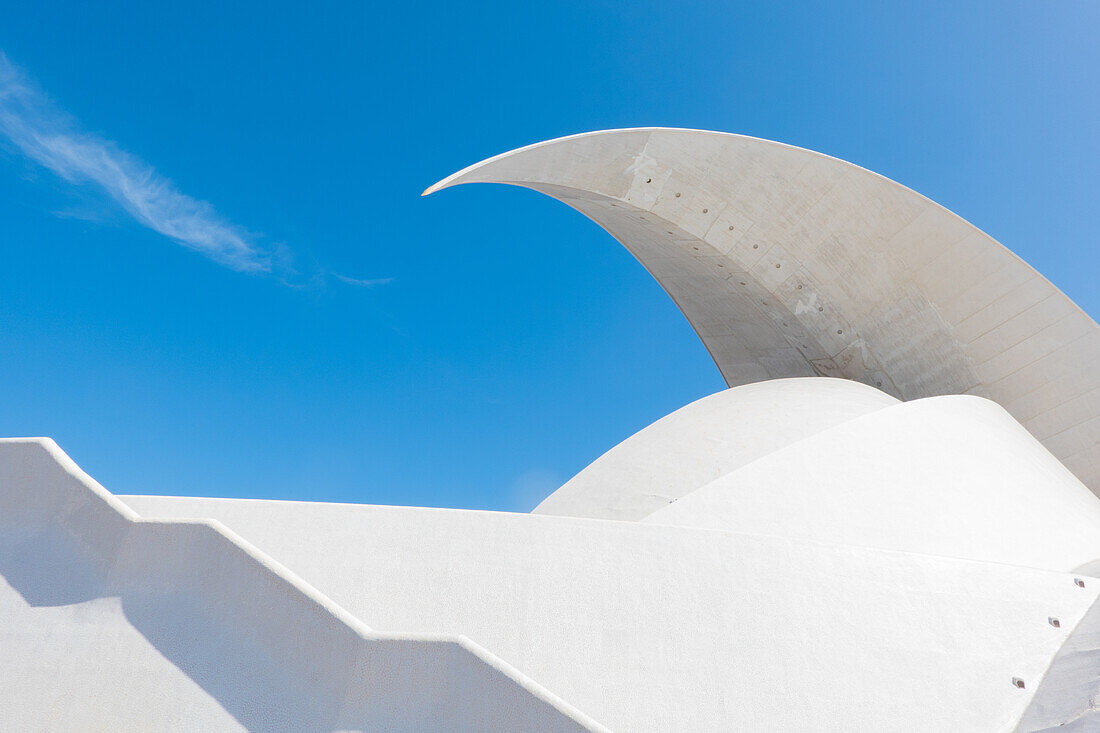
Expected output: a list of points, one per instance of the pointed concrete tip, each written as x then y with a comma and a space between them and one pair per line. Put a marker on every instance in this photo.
465, 175
435, 187
456, 178
451, 180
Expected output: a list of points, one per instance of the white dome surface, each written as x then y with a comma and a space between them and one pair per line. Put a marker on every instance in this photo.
707, 439
953, 476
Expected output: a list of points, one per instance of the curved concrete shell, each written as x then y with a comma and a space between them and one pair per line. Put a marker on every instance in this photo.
705, 440
790, 263
954, 476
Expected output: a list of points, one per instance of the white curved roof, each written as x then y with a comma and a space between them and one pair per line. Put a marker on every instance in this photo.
954, 476
705, 440
837, 461
791, 263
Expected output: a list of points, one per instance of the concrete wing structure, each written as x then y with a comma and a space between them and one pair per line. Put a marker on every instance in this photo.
805, 553
789, 263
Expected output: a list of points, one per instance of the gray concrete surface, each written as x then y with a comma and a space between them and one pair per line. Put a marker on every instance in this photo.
790, 263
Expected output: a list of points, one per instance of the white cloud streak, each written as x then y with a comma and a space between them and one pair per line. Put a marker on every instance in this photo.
371, 283
52, 139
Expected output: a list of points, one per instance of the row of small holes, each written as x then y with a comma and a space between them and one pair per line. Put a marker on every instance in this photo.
755, 246
1056, 623
820, 309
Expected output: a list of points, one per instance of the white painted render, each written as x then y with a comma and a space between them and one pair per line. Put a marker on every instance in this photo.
790, 263
357, 616
953, 476
114, 622
650, 628
928, 482
708, 439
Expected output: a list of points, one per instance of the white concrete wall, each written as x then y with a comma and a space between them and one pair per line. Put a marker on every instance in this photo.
113, 622
654, 628
790, 263
705, 440
154, 602
953, 476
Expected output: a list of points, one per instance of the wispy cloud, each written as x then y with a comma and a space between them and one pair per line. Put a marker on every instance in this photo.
52, 138
369, 283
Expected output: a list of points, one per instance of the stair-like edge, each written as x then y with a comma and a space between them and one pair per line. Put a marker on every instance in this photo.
351, 675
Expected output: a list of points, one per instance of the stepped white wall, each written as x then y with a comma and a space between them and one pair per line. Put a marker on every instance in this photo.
642, 625
653, 628
113, 622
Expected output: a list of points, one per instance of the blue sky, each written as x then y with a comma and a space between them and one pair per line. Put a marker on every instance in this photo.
218, 277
